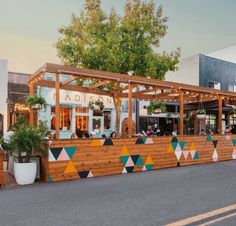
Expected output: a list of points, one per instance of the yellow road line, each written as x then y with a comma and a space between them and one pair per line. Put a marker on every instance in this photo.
218, 219
202, 216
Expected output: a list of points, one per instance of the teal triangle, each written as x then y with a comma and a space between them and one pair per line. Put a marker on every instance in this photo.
50, 179
144, 139
149, 167
124, 159
174, 145
182, 144
196, 156
234, 141
208, 138
139, 161
70, 151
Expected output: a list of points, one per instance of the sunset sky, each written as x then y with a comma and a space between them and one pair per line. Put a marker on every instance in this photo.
28, 28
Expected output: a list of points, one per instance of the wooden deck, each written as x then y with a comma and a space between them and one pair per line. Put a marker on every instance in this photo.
83, 158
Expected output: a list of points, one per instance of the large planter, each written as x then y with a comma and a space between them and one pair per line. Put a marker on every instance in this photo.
37, 106
201, 116
25, 173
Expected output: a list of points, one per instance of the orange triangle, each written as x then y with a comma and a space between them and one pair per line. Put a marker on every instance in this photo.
124, 151
192, 147
149, 160
170, 149
70, 168
96, 143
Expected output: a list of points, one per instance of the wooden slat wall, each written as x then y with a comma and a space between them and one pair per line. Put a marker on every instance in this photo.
100, 159
1, 167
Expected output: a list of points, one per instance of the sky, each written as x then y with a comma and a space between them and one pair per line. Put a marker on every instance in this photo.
29, 28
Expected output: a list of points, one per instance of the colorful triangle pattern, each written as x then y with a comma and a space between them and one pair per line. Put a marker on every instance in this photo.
61, 153
208, 138
144, 140
215, 156
234, 153
70, 168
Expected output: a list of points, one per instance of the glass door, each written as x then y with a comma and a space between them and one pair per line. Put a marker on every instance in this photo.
81, 121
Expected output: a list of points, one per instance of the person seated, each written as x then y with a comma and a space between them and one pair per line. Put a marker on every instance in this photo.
149, 131
104, 136
86, 135
49, 135
202, 132
113, 134
228, 129
73, 136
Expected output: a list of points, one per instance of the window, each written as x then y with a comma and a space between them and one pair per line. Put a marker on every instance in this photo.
107, 119
232, 88
65, 118
210, 123
215, 85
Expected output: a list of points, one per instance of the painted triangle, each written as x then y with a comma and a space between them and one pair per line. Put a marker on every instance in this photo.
124, 151
83, 174
178, 154
124, 159
215, 155
149, 166
149, 141
208, 138
56, 151
50, 179
178, 148
96, 143
63, 156
196, 156
124, 170
178, 164
192, 147
139, 141
234, 141
182, 144
51, 157
102, 141
192, 153
134, 158
174, 145
144, 140
108, 141
139, 161
90, 174
148, 160
174, 139
70, 168
70, 151
227, 137
170, 149
129, 162
144, 168
215, 143
129, 169
185, 154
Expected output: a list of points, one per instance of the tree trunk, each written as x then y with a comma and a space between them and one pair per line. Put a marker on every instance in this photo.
117, 103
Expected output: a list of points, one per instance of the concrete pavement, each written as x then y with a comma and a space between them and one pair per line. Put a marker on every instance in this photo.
149, 198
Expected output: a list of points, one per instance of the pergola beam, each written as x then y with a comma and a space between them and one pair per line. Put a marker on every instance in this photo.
99, 84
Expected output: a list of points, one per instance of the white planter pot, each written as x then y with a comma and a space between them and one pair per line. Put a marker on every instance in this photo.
37, 106
201, 116
25, 173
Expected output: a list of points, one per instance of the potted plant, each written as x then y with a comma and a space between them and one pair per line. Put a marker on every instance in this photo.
156, 107
26, 141
233, 112
96, 105
36, 102
201, 113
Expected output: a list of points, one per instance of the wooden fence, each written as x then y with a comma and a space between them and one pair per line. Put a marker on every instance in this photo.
83, 158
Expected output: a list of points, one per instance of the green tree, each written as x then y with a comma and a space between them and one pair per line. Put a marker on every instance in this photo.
118, 43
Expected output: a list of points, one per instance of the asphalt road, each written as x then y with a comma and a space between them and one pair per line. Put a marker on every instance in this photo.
149, 198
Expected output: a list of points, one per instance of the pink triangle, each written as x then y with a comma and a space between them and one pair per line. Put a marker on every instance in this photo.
90, 174
124, 170
192, 153
129, 162
63, 156
178, 154
144, 168
185, 153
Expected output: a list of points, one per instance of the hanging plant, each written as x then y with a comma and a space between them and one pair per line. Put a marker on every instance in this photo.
201, 113
156, 107
232, 111
96, 105
36, 102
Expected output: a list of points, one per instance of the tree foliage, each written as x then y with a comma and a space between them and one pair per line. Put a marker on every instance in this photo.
117, 43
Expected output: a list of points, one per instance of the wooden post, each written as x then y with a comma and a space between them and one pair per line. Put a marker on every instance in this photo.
220, 114
130, 111
181, 112
195, 127
57, 106
31, 93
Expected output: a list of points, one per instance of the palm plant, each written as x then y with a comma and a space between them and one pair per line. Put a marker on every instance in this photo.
156, 107
36, 101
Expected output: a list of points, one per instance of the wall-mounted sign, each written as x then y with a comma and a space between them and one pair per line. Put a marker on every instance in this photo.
21, 107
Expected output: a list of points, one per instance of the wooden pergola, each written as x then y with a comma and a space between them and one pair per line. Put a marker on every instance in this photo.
125, 87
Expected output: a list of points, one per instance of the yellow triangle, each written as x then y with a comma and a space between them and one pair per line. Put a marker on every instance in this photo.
170, 149
149, 160
96, 143
70, 168
124, 151
192, 147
